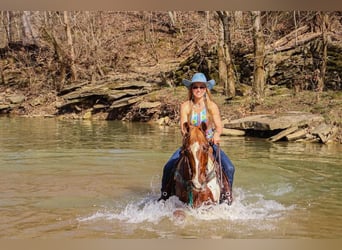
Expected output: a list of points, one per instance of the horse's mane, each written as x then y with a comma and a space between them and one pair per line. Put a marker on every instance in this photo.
195, 133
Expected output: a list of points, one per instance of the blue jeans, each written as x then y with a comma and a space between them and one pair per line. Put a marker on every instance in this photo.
226, 163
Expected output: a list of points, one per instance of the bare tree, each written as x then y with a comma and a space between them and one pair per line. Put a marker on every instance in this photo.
29, 35
324, 21
174, 25
226, 70
11, 27
259, 57
4, 28
149, 34
71, 50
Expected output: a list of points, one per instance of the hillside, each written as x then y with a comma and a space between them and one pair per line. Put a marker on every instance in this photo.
154, 48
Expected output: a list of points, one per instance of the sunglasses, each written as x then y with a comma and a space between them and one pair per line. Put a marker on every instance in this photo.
198, 87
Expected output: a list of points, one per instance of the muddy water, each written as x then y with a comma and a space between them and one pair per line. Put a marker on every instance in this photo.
101, 179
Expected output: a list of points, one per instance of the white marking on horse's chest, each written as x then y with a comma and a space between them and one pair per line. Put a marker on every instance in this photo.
213, 183
194, 148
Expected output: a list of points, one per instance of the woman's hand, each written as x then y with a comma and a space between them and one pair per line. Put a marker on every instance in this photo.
216, 138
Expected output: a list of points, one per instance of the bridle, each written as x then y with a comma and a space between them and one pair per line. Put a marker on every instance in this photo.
187, 157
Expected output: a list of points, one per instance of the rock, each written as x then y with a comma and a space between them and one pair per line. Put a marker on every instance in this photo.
149, 105
4, 107
16, 99
163, 121
325, 132
100, 106
274, 121
322, 128
115, 94
125, 101
87, 115
232, 132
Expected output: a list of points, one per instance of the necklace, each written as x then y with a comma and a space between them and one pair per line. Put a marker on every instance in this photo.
197, 105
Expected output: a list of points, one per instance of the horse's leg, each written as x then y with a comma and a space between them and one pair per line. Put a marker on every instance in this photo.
169, 188
179, 182
226, 193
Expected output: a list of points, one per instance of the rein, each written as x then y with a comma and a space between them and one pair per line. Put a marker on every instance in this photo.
186, 183
220, 164
209, 176
188, 158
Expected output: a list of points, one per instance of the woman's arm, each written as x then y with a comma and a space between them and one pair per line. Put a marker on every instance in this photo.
184, 113
217, 122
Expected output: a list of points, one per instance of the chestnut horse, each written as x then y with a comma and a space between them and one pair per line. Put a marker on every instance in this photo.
198, 178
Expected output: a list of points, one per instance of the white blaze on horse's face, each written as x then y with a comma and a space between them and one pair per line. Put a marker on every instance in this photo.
194, 149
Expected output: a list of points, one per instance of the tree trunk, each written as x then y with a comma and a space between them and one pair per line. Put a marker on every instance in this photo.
4, 38
238, 18
11, 27
226, 74
323, 66
222, 66
70, 47
29, 36
259, 58
206, 26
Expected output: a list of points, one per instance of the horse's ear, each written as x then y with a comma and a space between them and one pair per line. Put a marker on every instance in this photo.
186, 126
204, 126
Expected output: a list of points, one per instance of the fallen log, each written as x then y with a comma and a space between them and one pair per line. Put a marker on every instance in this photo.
291, 36
299, 41
300, 134
181, 51
283, 133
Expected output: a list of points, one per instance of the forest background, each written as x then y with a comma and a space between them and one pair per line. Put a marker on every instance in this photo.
262, 61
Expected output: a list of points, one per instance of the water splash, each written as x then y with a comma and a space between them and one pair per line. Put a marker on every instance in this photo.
245, 207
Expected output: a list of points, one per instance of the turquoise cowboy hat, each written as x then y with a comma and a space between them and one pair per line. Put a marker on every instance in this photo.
199, 77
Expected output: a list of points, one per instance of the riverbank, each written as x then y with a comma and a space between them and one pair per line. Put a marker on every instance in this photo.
278, 100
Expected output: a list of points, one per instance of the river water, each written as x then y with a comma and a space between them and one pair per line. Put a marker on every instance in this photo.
75, 179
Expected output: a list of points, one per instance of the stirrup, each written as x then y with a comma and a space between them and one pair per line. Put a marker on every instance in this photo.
164, 196
227, 198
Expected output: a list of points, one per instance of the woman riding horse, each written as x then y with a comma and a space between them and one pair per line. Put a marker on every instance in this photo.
197, 109
198, 179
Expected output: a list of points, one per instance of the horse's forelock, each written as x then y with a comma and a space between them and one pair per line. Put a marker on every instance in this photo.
198, 135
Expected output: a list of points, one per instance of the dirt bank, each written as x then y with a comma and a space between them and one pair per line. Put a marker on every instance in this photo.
278, 100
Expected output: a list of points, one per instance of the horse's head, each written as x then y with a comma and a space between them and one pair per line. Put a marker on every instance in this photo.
196, 147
